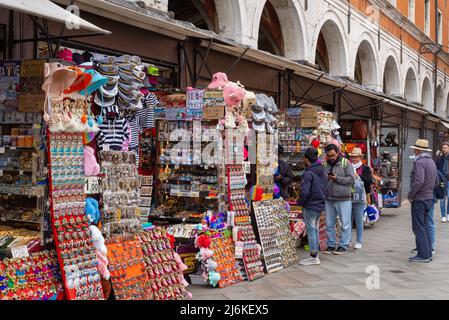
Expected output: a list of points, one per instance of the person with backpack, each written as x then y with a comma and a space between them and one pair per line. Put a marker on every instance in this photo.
442, 164
341, 178
313, 192
362, 186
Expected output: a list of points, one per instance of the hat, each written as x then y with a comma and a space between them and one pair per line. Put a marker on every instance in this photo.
108, 69
249, 99
109, 93
87, 56
104, 59
152, 70
97, 82
259, 126
233, 94
421, 144
78, 58
82, 81
259, 116
356, 152
57, 78
65, 54
102, 101
219, 79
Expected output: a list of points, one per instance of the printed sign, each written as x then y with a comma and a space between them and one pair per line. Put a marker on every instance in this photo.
19, 252
91, 185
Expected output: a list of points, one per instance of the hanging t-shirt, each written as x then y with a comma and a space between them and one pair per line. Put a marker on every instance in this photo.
142, 119
113, 133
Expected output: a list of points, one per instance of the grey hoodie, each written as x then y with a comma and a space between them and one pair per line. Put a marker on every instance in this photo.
340, 189
423, 179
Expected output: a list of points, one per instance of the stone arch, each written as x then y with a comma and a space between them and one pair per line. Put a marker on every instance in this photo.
292, 24
332, 31
426, 94
391, 77
441, 106
411, 85
367, 61
231, 16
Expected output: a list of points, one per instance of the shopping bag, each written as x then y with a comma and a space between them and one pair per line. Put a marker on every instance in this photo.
390, 199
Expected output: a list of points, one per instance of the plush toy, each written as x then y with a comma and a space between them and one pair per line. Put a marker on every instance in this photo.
92, 210
214, 277
204, 254
203, 241
210, 265
101, 251
181, 265
299, 229
91, 167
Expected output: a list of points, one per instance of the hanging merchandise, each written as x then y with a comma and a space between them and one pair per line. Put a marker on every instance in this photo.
70, 224
120, 186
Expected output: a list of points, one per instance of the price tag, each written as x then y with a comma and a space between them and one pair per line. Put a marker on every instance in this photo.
246, 167
20, 252
91, 185
2, 149
106, 147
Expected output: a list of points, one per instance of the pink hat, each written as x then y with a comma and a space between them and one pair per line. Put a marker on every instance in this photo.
233, 94
65, 54
219, 80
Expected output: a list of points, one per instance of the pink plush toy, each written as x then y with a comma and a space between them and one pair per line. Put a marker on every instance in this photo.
91, 167
181, 265
103, 265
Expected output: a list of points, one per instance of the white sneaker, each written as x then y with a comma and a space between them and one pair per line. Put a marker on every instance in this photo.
358, 246
310, 261
443, 219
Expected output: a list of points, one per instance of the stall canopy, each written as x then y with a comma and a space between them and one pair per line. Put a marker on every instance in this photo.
446, 124
49, 10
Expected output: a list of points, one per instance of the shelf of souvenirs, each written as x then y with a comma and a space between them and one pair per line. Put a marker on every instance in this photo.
31, 191
194, 194
175, 219
19, 239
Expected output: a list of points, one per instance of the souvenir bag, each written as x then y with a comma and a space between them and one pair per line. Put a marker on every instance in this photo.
358, 191
372, 214
390, 199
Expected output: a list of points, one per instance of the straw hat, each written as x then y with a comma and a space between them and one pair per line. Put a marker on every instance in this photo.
421, 144
356, 152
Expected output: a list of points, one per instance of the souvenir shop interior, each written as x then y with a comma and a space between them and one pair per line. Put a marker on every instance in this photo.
115, 185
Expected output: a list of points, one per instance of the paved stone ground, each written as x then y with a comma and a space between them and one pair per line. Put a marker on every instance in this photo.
386, 245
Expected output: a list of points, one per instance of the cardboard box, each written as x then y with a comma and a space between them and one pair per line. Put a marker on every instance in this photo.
212, 113
31, 103
309, 113
308, 122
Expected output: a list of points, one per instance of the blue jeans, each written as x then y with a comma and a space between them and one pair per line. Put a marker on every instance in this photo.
358, 215
342, 209
444, 212
312, 220
420, 225
432, 230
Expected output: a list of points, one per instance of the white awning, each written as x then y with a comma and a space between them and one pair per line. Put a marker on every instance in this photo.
49, 10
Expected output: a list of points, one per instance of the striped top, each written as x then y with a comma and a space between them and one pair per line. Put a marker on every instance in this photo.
113, 133
142, 119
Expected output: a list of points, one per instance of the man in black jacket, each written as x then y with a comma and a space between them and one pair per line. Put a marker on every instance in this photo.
442, 163
284, 176
313, 192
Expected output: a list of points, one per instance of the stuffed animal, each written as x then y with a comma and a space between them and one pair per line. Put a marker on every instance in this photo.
92, 210
210, 265
181, 266
299, 229
214, 277
91, 167
101, 251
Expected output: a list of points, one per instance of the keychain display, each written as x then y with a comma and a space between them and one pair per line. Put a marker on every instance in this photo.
70, 224
277, 242
120, 185
36, 277
165, 273
127, 267
242, 222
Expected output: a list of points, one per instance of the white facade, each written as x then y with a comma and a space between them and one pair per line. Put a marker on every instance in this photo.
410, 78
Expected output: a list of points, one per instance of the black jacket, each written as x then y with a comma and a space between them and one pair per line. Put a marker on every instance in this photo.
314, 187
287, 176
439, 162
366, 178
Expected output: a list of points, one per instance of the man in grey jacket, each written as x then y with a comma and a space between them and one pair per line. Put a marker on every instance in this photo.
341, 178
423, 182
